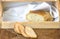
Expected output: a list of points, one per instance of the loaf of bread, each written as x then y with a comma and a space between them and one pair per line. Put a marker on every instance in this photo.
39, 16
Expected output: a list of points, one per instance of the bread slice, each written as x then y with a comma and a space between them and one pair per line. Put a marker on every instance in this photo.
22, 30
29, 31
35, 17
39, 16
16, 28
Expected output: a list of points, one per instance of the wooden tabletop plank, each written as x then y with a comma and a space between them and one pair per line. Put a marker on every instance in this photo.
8, 25
42, 34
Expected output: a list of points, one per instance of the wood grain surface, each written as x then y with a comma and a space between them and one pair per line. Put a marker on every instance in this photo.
6, 25
42, 34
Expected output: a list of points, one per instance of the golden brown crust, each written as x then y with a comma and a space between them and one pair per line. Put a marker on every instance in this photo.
44, 14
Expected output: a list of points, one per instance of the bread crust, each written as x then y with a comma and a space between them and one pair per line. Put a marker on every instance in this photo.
29, 31
46, 15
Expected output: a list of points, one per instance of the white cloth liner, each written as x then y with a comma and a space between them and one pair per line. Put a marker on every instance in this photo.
19, 13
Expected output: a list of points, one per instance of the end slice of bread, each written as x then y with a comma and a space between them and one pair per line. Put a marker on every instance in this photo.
29, 31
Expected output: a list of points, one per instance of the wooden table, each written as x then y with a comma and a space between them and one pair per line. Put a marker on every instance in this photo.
42, 34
